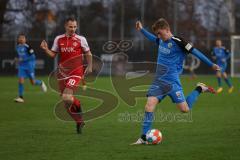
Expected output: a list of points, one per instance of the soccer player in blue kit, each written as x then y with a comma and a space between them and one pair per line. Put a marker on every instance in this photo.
26, 67
171, 53
222, 55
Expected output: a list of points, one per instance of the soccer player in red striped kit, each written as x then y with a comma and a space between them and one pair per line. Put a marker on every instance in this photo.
71, 49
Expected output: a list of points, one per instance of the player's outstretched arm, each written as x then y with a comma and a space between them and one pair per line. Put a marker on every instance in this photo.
203, 58
147, 34
44, 46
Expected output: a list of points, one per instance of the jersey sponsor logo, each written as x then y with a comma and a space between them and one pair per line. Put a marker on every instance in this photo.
61, 44
164, 50
67, 49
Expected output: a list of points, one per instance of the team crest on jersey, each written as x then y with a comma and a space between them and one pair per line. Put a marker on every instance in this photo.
75, 44
170, 45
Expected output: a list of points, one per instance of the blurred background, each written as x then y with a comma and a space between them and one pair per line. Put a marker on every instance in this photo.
199, 21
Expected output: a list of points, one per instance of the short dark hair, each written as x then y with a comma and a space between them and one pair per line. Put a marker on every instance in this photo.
21, 34
70, 19
161, 23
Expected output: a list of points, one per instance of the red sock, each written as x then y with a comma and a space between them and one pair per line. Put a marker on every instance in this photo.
76, 102
73, 113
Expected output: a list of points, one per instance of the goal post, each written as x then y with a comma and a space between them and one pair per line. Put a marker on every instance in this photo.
235, 56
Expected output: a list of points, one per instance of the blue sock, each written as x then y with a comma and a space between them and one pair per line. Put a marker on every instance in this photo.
147, 122
38, 82
192, 97
219, 82
20, 89
228, 82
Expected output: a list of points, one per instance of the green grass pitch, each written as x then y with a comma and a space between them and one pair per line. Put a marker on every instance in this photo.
31, 131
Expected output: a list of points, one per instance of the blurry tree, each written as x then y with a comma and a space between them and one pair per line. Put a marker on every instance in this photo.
237, 14
188, 18
2, 12
216, 15
17, 18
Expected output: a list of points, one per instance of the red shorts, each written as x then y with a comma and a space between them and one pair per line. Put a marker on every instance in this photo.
69, 79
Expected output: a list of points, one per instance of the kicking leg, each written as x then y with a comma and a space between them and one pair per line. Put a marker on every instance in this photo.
73, 106
37, 82
192, 97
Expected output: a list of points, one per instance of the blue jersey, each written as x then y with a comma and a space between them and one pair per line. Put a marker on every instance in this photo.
26, 56
221, 55
171, 54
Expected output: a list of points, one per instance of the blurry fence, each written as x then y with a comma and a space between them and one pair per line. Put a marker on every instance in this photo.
140, 51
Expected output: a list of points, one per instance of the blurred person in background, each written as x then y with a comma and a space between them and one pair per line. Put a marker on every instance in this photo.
26, 67
221, 55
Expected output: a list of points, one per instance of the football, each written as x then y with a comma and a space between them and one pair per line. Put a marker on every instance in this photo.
153, 136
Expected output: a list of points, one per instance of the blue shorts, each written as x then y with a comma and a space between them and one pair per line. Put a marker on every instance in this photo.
26, 73
161, 89
223, 67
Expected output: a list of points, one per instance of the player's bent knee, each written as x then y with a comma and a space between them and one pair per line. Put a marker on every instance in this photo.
225, 75
219, 73
150, 106
67, 98
21, 80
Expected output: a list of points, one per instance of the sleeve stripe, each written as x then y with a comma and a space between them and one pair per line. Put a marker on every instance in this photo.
176, 39
187, 47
